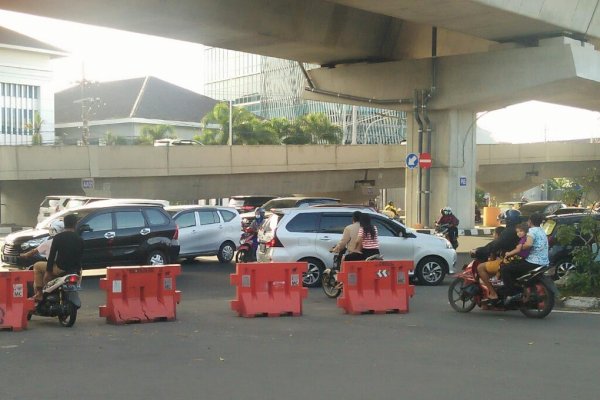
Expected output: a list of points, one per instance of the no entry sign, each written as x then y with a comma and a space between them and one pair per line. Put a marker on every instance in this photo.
425, 160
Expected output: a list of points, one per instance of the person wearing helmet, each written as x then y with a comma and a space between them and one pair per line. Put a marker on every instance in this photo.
259, 219
390, 210
43, 250
447, 218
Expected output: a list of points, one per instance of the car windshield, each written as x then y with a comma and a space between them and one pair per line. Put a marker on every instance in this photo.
528, 209
548, 226
50, 202
280, 203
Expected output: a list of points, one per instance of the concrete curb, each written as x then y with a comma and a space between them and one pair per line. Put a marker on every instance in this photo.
581, 303
463, 232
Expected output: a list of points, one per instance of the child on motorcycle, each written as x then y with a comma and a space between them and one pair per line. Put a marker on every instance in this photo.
518, 253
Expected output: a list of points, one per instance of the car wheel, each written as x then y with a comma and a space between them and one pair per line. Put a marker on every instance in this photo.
563, 267
156, 257
226, 252
314, 272
431, 271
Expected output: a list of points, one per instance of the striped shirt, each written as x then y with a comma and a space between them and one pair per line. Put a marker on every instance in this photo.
369, 242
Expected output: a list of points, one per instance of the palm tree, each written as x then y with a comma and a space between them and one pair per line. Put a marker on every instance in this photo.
150, 133
36, 127
320, 129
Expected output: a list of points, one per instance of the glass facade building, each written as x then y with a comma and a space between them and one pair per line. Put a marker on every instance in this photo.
272, 88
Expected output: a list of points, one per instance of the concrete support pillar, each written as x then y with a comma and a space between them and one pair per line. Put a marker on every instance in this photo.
454, 165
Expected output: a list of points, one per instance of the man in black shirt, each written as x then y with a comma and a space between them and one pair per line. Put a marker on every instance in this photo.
65, 255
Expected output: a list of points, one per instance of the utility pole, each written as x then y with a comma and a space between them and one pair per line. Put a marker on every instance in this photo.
88, 105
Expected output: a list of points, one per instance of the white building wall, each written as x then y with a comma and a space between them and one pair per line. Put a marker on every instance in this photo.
29, 68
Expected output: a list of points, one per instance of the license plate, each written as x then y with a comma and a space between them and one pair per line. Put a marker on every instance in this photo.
262, 247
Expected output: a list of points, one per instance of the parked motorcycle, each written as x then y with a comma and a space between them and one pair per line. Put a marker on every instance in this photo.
537, 301
60, 299
331, 286
443, 230
246, 251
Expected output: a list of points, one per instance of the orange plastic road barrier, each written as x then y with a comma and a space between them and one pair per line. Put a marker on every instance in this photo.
271, 289
375, 286
140, 294
14, 304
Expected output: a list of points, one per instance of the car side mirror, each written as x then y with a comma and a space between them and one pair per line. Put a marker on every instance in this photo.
84, 228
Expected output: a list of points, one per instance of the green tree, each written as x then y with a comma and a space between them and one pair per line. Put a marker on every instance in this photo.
36, 127
320, 129
112, 139
150, 133
586, 256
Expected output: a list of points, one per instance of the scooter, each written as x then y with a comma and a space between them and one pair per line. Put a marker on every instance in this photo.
443, 230
60, 299
537, 300
246, 251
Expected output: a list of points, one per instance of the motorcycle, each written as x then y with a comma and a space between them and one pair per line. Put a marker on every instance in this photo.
331, 286
537, 300
329, 283
246, 251
60, 299
443, 230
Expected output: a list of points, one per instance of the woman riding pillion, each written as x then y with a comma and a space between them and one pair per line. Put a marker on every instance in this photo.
259, 218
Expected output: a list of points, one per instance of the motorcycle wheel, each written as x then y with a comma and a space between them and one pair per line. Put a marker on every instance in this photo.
68, 319
329, 286
459, 300
241, 256
540, 301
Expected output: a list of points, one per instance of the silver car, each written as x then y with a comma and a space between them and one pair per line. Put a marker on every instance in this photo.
207, 231
307, 234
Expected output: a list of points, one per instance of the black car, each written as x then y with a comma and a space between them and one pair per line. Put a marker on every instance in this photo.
560, 255
113, 235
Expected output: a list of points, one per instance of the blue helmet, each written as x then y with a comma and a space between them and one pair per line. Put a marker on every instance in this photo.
512, 217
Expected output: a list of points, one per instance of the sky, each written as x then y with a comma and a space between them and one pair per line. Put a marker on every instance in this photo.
108, 54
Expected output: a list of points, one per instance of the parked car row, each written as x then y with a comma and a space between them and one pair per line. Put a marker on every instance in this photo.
146, 232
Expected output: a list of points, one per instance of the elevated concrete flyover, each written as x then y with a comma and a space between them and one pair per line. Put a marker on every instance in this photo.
185, 174
444, 60
506, 169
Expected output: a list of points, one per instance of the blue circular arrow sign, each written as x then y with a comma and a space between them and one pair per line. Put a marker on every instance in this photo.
412, 160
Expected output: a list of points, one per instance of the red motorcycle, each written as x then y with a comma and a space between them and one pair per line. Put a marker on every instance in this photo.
246, 251
537, 300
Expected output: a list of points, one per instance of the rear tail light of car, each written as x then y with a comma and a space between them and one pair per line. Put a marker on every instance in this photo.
248, 208
275, 242
176, 234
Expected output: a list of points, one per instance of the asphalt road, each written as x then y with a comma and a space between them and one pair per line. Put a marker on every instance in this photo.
209, 353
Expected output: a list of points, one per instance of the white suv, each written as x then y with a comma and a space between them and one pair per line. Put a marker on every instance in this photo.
307, 234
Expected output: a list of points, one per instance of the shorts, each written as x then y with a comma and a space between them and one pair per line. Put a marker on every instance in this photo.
493, 266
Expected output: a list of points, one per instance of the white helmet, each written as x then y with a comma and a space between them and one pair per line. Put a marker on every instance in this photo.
56, 226
446, 211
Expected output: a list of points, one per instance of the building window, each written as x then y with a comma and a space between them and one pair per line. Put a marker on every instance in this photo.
18, 105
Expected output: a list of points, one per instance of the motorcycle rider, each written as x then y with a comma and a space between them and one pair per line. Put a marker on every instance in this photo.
349, 239
65, 254
447, 218
537, 244
43, 250
259, 218
390, 210
506, 241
